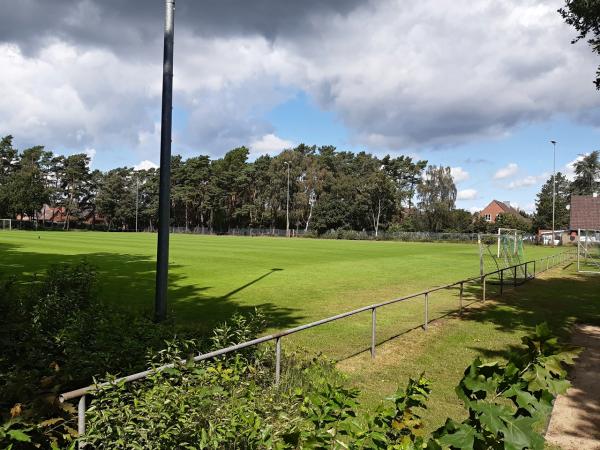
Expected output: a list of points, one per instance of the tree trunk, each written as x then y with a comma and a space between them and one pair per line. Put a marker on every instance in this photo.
309, 217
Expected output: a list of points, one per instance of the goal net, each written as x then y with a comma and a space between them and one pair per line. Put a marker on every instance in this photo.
501, 250
588, 251
5, 224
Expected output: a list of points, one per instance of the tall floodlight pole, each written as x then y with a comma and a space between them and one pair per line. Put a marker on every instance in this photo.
164, 200
137, 200
287, 202
553, 190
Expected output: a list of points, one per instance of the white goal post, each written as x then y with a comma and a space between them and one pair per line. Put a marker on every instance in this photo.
510, 236
588, 251
6, 224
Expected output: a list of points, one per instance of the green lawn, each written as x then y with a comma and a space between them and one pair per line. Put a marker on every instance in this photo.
299, 280
294, 281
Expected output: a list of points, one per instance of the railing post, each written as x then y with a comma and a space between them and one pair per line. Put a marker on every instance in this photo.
81, 421
525, 271
483, 295
373, 328
515, 276
501, 281
460, 299
426, 310
277, 360
547, 262
534, 268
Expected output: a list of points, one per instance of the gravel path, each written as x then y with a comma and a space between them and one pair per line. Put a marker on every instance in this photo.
575, 421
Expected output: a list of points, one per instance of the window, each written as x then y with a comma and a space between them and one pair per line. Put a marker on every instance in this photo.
487, 217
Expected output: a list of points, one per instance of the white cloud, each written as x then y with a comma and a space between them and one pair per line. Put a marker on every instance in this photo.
474, 209
570, 167
466, 194
91, 153
529, 180
145, 165
508, 63
459, 174
506, 172
270, 143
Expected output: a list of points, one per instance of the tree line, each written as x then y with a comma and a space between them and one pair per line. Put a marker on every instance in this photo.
328, 189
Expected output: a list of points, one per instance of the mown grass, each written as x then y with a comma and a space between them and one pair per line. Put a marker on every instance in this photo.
295, 281
560, 297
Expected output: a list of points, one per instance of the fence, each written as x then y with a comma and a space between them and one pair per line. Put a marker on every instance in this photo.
408, 236
530, 269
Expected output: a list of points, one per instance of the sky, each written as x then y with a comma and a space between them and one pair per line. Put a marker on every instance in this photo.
481, 87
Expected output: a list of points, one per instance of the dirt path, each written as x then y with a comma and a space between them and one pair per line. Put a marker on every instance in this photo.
575, 422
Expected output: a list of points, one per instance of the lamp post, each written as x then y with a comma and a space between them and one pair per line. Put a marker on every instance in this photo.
287, 202
553, 190
137, 200
164, 197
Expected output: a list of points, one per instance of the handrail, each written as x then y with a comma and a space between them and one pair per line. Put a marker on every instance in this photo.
81, 393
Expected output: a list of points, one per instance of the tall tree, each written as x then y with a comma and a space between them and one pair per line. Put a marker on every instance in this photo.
437, 195
27, 186
8, 165
74, 176
542, 218
587, 174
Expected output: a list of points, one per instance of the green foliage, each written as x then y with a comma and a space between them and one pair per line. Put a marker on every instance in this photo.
584, 16
56, 335
508, 404
543, 214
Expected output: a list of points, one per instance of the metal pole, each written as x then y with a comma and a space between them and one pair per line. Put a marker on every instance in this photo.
553, 189
277, 360
287, 202
426, 310
578, 247
460, 299
137, 198
373, 327
483, 296
525, 271
515, 277
534, 267
501, 281
164, 199
81, 420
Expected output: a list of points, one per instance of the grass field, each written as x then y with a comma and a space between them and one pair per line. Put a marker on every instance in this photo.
295, 281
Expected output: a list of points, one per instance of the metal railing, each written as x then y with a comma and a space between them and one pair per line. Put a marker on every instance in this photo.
530, 270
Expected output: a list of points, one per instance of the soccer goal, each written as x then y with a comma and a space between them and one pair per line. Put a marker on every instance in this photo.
5, 224
588, 251
501, 250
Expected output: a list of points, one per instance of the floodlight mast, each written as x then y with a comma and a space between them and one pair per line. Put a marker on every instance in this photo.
553, 190
164, 200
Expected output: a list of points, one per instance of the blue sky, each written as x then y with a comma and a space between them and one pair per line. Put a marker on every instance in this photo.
480, 87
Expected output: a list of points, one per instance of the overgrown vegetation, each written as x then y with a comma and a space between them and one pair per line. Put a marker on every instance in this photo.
56, 338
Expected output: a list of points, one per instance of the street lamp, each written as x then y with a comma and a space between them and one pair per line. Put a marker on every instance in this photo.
287, 202
553, 190
137, 200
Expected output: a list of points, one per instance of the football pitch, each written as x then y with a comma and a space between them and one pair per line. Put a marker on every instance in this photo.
293, 281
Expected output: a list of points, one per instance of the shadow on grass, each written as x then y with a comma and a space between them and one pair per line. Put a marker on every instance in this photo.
561, 301
128, 281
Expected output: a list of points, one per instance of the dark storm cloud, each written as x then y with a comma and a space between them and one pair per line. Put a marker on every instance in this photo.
126, 24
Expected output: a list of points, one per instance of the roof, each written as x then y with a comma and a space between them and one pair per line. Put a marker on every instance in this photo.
504, 207
585, 212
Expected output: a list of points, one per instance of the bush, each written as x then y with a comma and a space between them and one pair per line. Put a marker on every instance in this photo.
56, 336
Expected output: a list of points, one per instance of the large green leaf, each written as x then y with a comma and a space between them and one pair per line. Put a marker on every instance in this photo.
463, 437
520, 434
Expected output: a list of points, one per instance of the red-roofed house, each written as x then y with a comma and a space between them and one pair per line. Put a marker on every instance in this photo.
491, 212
